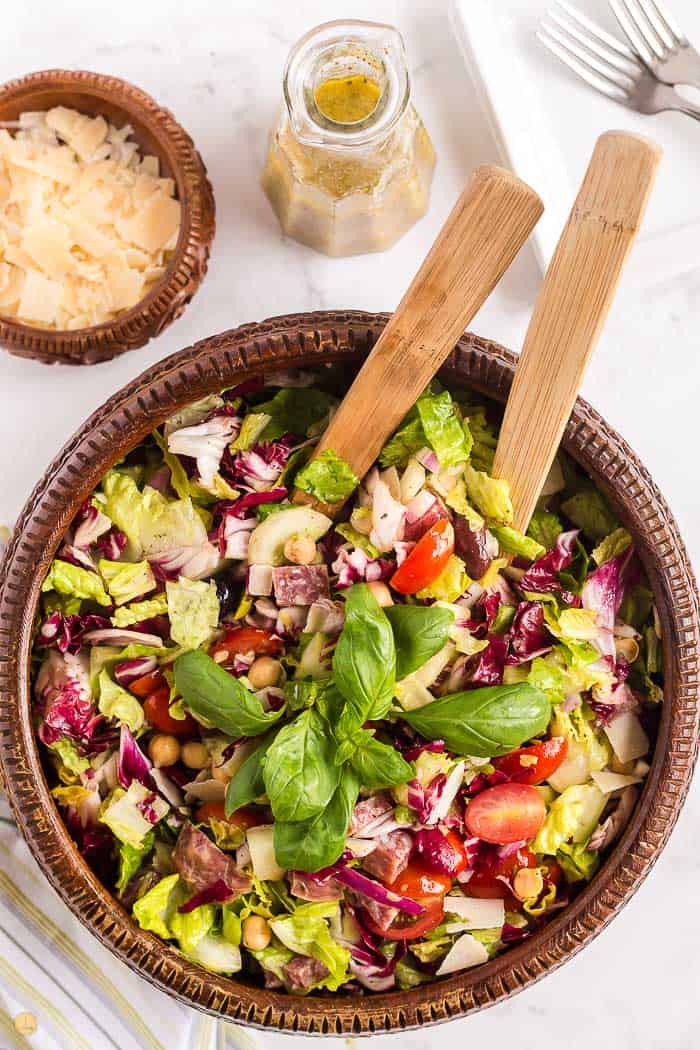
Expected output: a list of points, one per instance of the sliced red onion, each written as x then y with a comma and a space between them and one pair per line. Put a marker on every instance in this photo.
112, 544
93, 524
117, 636
419, 505
355, 880
218, 893
128, 671
77, 556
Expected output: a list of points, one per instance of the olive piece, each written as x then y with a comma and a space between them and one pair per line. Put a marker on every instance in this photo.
228, 592
472, 546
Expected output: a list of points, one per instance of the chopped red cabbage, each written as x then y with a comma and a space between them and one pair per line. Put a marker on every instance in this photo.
529, 637
355, 880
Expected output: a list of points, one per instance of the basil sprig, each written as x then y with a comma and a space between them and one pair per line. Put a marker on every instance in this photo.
314, 844
364, 661
299, 772
220, 699
420, 631
484, 722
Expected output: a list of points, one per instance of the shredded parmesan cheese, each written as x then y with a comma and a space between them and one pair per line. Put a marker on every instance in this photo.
87, 225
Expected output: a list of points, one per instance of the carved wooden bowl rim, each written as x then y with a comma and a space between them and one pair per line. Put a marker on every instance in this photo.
168, 298
290, 342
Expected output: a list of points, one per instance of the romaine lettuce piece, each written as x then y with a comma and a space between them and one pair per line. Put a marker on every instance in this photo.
193, 608
136, 612
445, 433
306, 932
450, 584
571, 817
153, 910
117, 703
121, 813
127, 580
328, 478
73, 580
490, 495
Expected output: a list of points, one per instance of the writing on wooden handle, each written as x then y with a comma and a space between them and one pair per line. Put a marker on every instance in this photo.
488, 225
570, 311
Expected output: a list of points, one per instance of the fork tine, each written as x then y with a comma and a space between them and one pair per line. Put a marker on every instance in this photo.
597, 31
602, 84
600, 66
637, 31
626, 65
663, 23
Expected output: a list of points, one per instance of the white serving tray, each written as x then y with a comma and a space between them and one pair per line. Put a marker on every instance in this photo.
545, 121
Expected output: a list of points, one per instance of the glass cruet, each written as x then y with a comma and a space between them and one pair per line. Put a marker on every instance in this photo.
349, 163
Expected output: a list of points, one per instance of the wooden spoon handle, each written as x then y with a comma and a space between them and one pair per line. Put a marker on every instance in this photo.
570, 310
485, 230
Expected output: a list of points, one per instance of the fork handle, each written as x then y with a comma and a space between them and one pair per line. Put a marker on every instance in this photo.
670, 99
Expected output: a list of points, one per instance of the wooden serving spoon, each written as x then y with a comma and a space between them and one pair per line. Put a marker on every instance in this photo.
570, 310
488, 225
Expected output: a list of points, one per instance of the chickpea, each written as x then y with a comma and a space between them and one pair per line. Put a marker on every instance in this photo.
381, 592
256, 933
301, 550
528, 883
195, 755
264, 671
164, 750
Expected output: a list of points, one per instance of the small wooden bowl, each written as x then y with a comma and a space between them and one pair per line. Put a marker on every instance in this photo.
157, 132
293, 342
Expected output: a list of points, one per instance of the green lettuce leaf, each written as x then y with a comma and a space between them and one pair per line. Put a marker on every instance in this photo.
512, 541
358, 539
577, 862
117, 703
408, 439
328, 478
127, 580
69, 761
131, 859
231, 926
589, 511
294, 411
447, 436
193, 608
138, 611
153, 910
251, 429
216, 954
614, 544
190, 927
490, 495
450, 584
121, 814
76, 582
545, 528
306, 932
572, 816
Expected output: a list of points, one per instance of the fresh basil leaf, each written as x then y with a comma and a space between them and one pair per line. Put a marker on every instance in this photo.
299, 772
420, 631
219, 698
303, 693
364, 661
484, 722
247, 782
380, 766
310, 845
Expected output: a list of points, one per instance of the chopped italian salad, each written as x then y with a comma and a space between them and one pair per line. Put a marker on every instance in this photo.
344, 756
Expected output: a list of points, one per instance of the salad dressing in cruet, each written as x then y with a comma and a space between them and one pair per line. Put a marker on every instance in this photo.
350, 163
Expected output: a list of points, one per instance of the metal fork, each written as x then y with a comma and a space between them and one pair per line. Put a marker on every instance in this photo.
606, 64
658, 41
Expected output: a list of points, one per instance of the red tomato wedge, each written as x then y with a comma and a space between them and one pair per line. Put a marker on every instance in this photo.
244, 640
426, 887
156, 708
427, 559
506, 813
406, 928
244, 818
147, 684
532, 765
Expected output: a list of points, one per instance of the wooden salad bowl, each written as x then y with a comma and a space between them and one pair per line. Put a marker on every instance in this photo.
158, 133
292, 342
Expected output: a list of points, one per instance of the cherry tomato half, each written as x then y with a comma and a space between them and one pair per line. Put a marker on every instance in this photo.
427, 559
148, 683
441, 851
540, 761
405, 927
506, 813
156, 708
243, 818
244, 640
417, 881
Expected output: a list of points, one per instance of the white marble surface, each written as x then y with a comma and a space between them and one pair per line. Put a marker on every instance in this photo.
217, 66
